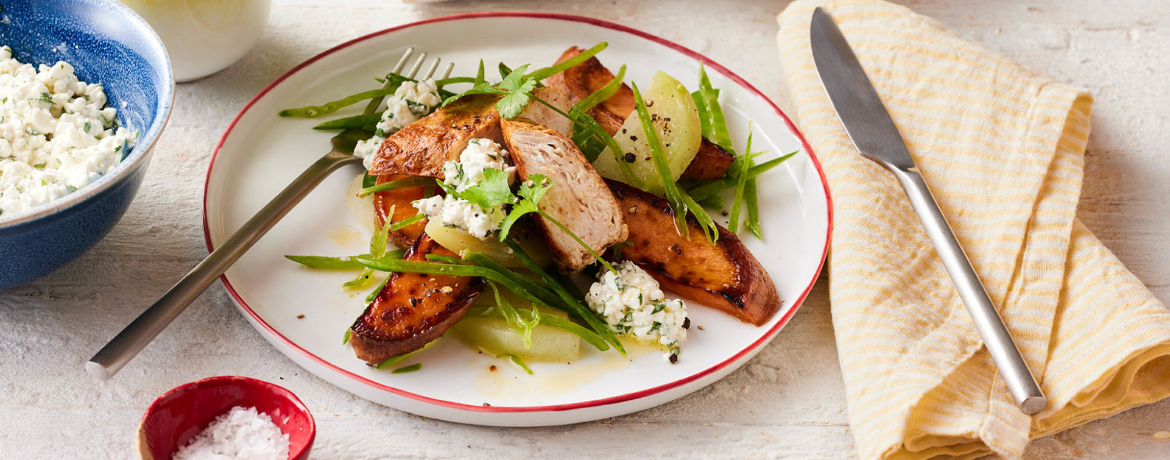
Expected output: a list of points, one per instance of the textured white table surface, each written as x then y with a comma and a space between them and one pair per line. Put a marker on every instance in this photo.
788, 402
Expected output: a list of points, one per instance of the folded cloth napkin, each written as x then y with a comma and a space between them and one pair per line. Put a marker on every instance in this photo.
1002, 148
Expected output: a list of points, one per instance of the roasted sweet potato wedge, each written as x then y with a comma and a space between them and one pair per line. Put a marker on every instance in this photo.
422, 147
711, 162
723, 275
583, 79
412, 309
394, 205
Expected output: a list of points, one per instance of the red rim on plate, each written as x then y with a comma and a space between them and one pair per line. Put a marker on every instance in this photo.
560, 407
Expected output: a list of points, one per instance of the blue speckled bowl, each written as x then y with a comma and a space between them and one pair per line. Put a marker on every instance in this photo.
105, 42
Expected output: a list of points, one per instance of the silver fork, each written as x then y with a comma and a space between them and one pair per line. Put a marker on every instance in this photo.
123, 347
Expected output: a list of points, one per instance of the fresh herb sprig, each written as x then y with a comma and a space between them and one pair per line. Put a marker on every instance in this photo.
516, 87
492, 191
529, 194
515, 90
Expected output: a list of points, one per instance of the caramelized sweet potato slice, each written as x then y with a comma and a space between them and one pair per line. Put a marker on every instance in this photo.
422, 147
711, 162
723, 275
412, 309
399, 201
583, 79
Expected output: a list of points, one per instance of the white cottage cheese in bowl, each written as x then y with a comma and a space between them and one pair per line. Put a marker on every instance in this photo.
56, 134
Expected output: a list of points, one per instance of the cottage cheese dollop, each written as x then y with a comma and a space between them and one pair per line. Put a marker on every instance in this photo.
410, 102
480, 154
633, 305
56, 134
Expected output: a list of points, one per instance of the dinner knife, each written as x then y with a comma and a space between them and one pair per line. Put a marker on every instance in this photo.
873, 133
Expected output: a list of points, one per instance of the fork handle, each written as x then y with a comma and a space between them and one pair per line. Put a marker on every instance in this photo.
1020, 382
123, 347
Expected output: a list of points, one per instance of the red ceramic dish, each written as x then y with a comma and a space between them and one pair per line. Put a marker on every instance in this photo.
185, 411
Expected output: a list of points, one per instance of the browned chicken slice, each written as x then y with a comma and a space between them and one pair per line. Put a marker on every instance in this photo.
583, 79
412, 309
543, 115
723, 275
395, 205
422, 147
578, 198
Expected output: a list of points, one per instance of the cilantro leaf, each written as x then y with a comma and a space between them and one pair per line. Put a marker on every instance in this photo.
479, 86
512, 104
530, 196
493, 190
515, 80
518, 89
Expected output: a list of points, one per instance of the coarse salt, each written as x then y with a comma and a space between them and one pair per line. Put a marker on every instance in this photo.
241, 433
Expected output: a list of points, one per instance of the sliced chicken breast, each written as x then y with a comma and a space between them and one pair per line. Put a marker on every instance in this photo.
579, 198
422, 147
543, 115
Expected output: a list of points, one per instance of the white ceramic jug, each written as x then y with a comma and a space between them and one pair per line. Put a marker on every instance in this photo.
204, 36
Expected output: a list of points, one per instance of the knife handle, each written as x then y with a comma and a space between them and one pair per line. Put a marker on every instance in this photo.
1020, 381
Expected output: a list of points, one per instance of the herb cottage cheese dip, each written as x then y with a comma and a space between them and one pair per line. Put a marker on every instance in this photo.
56, 134
479, 155
409, 103
632, 303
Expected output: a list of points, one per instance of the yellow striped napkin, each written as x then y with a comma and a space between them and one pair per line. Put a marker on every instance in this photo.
1002, 149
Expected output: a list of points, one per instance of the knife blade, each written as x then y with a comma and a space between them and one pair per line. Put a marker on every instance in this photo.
873, 132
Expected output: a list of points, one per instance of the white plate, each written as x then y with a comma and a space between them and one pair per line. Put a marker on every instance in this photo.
261, 152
